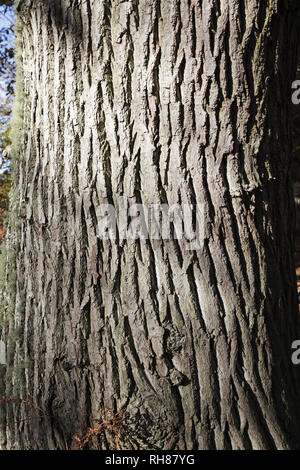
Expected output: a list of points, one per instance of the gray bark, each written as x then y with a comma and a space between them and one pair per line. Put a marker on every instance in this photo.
159, 102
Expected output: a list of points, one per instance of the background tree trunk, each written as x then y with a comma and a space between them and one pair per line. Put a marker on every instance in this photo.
159, 102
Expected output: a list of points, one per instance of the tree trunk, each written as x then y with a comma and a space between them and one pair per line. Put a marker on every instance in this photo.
158, 102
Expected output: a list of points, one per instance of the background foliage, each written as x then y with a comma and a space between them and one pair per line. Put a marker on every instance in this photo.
7, 81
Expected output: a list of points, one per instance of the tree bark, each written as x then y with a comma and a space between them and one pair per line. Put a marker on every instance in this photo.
165, 102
